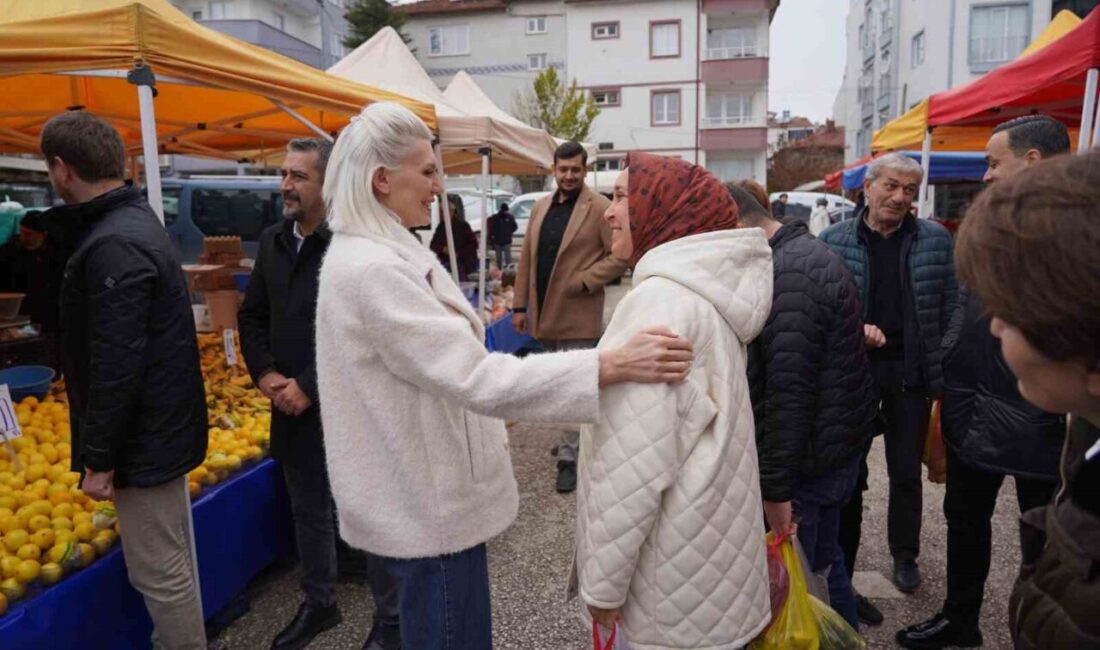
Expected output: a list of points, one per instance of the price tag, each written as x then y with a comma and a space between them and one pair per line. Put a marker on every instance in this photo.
230, 338
9, 424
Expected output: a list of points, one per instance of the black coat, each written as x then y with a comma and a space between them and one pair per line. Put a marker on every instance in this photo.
502, 227
810, 381
984, 418
277, 333
130, 355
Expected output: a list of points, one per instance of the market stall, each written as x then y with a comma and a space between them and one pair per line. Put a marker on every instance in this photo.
214, 95
944, 167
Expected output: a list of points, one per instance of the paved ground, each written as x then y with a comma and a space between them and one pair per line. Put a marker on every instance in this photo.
529, 566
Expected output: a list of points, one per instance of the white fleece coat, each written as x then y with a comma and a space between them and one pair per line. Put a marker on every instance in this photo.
410, 397
669, 523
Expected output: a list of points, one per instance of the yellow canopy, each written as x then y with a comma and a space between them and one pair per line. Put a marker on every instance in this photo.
907, 131
216, 94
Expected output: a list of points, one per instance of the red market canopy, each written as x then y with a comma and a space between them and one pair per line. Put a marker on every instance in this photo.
1051, 81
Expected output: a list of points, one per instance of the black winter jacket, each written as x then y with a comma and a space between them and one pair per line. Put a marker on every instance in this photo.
130, 355
985, 420
811, 385
277, 333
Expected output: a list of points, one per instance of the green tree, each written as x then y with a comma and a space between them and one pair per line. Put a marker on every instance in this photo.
366, 17
564, 111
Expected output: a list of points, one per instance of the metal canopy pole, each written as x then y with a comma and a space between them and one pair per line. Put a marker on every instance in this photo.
482, 248
925, 155
142, 77
1088, 108
445, 210
302, 119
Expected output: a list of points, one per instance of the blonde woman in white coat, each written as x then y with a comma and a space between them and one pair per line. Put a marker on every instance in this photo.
670, 533
417, 458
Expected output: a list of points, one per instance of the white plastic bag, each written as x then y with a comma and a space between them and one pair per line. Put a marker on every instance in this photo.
604, 640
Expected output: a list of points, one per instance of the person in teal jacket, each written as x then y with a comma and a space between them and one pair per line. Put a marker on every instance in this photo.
903, 267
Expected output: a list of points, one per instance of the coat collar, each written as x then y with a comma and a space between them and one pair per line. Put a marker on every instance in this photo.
788, 232
68, 224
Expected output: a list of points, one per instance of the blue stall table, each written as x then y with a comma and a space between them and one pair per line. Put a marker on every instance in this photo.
241, 526
500, 336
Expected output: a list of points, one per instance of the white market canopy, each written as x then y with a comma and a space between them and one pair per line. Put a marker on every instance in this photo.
467, 96
385, 62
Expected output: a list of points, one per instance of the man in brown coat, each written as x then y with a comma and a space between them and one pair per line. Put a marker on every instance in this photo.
565, 264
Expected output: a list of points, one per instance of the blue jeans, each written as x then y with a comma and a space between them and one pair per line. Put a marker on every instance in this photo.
445, 601
817, 505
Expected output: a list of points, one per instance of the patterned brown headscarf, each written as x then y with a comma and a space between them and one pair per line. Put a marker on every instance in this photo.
671, 199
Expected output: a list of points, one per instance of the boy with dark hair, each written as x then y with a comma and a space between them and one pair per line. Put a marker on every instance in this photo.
1028, 249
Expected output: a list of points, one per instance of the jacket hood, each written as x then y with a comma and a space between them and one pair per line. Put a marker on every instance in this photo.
731, 269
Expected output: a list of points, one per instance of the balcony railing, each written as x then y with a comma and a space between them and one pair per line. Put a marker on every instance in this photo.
732, 122
739, 52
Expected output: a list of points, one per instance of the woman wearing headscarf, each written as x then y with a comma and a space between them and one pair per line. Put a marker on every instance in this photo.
670, 535
411, 401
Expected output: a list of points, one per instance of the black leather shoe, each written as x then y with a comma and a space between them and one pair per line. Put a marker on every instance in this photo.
307, 624
567, 477
867, 612
383, 637
938, 633
906, 576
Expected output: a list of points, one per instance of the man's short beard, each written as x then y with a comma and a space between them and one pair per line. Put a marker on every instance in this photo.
296, 214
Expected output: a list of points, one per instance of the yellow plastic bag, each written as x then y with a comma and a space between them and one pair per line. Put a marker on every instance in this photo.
804, 622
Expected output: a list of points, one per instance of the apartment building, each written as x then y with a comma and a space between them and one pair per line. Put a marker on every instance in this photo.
686, 78
902, 51
310, 31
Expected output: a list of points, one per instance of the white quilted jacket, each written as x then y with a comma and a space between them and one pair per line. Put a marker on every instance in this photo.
669, 523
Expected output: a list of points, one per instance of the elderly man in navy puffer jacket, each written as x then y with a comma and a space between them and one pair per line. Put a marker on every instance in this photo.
906, 277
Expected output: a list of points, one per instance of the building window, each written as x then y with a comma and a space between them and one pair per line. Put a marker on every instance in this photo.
664, 39
337, 48
606, 97
221, 10
536, 61
601, 31
609, 165
731, 43
665, 108
998, 33
452, 40
728, 109
732, 169
916, 54
277, 21
338, 3
536, 25
196, 15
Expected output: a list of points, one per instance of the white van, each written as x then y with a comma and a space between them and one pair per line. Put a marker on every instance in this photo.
801, 204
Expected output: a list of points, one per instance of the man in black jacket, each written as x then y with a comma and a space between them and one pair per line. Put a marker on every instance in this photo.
131, 363
502, 227
990, 431
812, 393
277, 338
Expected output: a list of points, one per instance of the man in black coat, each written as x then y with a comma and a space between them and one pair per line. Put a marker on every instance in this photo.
502, 227
812, 392
990, 430
131, 363
277, 338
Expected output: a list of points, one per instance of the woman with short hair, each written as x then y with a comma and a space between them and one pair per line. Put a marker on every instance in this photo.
410, 398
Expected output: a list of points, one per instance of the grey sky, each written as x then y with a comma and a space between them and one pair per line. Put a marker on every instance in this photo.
807, 54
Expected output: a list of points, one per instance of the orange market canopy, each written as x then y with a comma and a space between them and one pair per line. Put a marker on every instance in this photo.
215, 95
907, 131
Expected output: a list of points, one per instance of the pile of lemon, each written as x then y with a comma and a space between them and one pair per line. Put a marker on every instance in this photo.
47, 525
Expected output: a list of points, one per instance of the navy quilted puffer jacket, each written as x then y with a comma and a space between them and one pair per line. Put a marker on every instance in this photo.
813, 395
928, 276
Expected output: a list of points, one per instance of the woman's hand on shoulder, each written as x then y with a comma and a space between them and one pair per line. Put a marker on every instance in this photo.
652, 356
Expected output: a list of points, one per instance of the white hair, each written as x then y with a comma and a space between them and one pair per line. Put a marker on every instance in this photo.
895, 162
381, 136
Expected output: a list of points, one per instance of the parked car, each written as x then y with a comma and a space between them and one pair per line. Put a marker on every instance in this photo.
801, 204
200, 207
844, 213
521, 209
